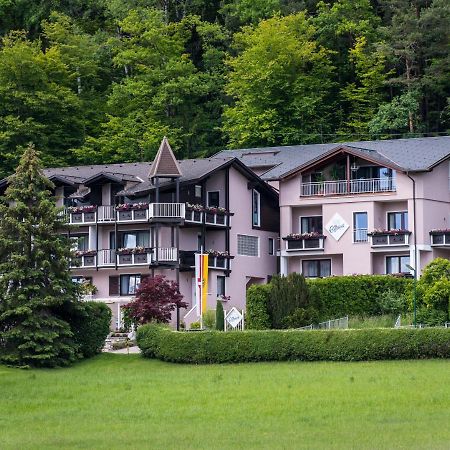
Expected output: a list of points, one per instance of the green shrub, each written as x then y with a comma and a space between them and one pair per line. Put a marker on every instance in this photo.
195, 326
431, 317
220, 317
301, 317
287, 294
257, 317
209, 319
91, 328
434, 271
283, 345
438, 295
359, 295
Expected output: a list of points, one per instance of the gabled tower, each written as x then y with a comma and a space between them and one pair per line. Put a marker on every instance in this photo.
165, 164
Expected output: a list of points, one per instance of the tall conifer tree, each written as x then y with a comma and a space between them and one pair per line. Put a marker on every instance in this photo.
35, 281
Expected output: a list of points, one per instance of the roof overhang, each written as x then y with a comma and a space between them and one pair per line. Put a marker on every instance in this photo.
341, 149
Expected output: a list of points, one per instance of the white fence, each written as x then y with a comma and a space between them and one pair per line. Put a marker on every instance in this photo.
341, 323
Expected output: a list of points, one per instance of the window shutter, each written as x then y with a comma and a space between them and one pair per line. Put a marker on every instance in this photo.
114, 285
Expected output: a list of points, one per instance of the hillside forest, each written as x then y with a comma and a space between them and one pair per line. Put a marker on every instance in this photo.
101, 81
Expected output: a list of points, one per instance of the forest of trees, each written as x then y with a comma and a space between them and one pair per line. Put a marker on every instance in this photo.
97, 81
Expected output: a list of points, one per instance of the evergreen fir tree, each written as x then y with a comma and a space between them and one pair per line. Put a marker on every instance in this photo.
220, 319
35, 280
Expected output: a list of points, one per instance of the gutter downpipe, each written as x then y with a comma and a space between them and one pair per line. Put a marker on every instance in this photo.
415, 250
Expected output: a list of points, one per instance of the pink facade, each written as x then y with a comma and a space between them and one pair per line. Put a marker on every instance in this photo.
389, 206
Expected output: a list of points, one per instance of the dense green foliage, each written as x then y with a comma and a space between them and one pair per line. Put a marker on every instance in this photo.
257, 307
277, 345
290, 302
35, 281
433, 293
220, 316
90, 81
90, 327
363, 295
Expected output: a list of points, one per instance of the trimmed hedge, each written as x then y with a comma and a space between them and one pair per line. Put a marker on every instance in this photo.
356, 294
277, 345
257, 306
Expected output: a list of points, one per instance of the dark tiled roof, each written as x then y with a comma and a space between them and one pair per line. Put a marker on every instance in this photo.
416, 154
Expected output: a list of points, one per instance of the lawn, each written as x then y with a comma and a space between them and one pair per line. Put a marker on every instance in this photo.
127, 402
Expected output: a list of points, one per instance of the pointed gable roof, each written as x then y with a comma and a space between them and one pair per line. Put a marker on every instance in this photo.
165, 164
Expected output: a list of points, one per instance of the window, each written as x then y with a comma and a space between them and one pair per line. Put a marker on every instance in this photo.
312, 224
271, 246
256, 209
397, 220
81, 280
80, 242
220, 285
198, 191
397, 264
247, 245
316, 268
213, 199
129, 284
199, 242
132, 239
360, 225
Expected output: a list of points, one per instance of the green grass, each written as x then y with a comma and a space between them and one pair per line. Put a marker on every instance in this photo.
127, 402
384, 321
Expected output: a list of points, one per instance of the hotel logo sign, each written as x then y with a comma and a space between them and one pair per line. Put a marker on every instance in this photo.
337, 226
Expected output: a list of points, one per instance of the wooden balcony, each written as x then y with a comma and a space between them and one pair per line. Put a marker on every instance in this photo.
389, 239
440, 238
348, 187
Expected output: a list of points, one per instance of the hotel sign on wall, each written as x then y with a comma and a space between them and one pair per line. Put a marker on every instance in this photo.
337, 226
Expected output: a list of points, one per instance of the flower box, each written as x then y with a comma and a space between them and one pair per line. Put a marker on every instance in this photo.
132, 206
303, 236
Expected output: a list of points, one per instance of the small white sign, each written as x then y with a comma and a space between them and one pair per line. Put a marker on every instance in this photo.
234, 317
337, 226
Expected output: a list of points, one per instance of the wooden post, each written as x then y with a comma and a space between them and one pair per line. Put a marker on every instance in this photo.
348, 173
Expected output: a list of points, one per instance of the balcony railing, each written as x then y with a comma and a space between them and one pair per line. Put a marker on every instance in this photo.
360, 235
110, 214
210, 217
220, 262
440, 238
135, 259
166, 254
85, 261
167, 210
303, 244
387, 239
348, 187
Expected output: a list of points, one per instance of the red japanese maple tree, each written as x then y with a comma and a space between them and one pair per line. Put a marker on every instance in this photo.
155, 300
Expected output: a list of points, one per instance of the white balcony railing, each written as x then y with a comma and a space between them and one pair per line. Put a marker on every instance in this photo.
166, 254
106, 258
85, 261
346, 187
106, 214
134, 259
360, 235
167, 210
